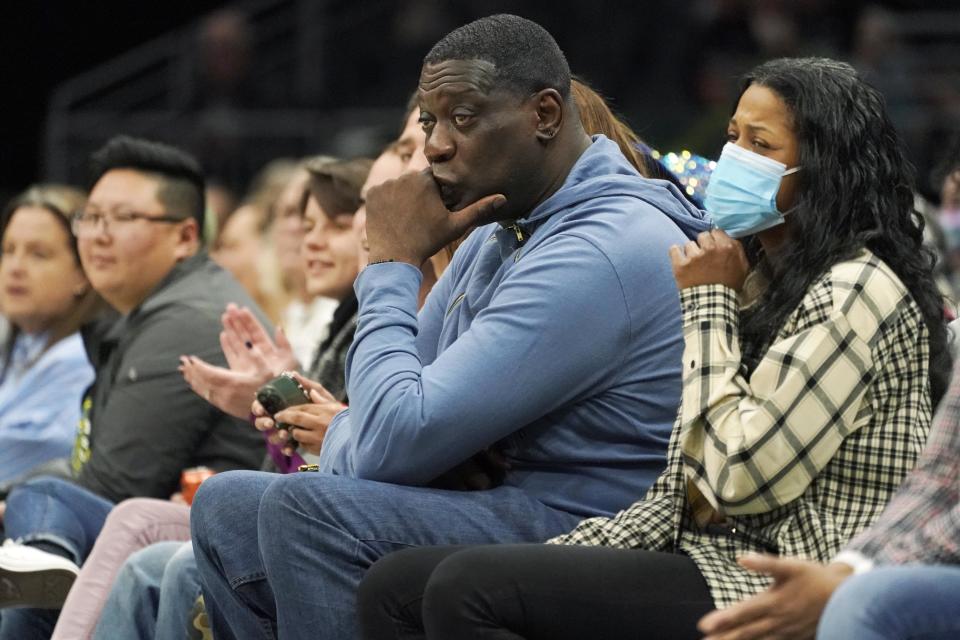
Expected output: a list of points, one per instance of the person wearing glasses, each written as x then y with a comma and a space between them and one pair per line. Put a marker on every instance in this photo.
46, 297
140, 425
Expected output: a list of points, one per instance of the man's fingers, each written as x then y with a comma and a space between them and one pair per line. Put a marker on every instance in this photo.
480, 212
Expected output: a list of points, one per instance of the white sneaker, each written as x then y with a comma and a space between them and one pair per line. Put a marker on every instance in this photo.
30, 577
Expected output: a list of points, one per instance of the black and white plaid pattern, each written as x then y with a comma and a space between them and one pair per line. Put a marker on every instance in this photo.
800, 455
921, 525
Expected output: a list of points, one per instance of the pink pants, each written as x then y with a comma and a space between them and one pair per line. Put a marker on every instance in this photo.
132, 525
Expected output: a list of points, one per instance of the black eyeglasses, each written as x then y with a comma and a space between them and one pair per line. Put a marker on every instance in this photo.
87, 222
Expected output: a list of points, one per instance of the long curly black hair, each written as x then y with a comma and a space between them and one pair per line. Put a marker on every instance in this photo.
855, 191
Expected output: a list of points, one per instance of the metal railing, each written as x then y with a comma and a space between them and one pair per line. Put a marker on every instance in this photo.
147, 92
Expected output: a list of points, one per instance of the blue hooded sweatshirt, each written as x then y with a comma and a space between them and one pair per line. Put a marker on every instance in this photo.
563, 350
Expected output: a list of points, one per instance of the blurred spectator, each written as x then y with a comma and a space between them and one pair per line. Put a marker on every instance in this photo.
220, 201
138, 239
880, 56
223, 88
47, 298
260, 244
306, 316
238, 248
225, 50
331, 255
157, 587
944, 221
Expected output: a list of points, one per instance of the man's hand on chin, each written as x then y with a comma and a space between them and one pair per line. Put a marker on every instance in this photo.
408, 222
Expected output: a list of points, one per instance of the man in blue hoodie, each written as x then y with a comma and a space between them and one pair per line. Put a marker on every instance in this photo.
553, 338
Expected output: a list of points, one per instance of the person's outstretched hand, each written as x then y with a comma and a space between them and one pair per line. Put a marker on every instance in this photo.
248, 345
789, 610
252, 357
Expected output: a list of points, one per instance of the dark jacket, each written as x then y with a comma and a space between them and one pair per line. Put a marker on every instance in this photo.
330, 359
142, 423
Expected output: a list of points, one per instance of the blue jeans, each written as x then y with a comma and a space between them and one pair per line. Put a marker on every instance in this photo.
56, 511
50, 511
153, 595
285, 554
909, 601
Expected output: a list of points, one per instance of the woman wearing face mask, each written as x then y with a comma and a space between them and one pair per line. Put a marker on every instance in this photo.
45, 295
807, 391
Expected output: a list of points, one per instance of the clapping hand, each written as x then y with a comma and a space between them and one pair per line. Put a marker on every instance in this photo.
252, 359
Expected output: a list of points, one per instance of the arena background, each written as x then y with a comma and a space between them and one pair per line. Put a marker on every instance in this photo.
241, 83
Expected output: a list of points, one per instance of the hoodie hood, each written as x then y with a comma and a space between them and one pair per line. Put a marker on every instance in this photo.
602, 170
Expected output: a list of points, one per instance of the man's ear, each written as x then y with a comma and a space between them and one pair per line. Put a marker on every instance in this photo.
549, 109
188, 239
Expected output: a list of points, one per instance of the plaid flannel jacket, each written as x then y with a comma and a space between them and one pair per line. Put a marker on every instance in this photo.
801, 454
922, 522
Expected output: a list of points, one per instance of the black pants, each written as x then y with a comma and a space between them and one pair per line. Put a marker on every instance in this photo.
532, 591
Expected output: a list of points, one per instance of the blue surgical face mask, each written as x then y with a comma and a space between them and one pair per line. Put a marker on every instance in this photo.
742, 193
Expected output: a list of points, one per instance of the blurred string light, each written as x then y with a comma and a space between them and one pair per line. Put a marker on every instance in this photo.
692, 170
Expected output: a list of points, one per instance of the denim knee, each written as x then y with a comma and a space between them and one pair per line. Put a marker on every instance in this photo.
321, 495
223, 501
146, 566
47, 486
860, 603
